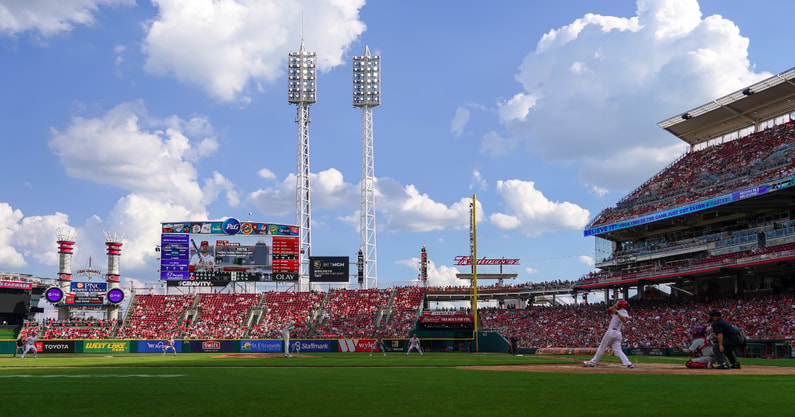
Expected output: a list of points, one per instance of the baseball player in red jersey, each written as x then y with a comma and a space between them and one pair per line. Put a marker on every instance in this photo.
618, 316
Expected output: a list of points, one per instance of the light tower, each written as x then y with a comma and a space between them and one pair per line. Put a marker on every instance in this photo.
366, 95
302, 91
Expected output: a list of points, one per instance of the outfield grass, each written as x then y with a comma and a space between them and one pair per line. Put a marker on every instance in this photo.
356, 384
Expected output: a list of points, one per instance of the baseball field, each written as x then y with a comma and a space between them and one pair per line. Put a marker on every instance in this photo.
353, 384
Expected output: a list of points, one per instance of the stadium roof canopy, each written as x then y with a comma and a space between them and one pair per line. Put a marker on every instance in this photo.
741, 109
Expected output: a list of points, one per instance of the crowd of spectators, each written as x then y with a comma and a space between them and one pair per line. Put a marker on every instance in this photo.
78, 328
155, 317
693, 264
221, 316
710, 172
283, 307
406, 305
661, 323
665, 322
352, 313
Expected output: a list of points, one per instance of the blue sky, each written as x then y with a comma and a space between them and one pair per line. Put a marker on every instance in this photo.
117, 115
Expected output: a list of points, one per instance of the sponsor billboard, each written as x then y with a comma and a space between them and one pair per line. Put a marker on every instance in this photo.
197, 284
88, 287
229, 250
16, 285
446, 319
212, 346
328, 268
261, 346
156, 346
356, 345
65, 346
116, 346
301, 346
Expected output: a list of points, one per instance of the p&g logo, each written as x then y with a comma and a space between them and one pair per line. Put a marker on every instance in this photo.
231, 226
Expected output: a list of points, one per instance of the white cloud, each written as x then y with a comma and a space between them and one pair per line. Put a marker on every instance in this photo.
51, 17
496, 145
328, 191
459, 121
530, 270
636, 164
266, 174
152, 159
598, 86
128, 149
477, 181
438, 276
9, 228
222, 46
598, 191
31, 239
532, 213
586, 260
215, 185
517, 108
405, 208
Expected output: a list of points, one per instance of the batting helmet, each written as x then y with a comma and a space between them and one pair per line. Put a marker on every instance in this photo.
622, 304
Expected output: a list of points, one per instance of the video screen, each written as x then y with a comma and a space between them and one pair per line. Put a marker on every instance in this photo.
229, 250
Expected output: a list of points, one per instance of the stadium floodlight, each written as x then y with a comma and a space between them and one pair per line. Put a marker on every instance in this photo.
302, 91
301, 77
366, 80
367, 95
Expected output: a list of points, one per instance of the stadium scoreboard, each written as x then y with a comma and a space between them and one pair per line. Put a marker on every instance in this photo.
228, 251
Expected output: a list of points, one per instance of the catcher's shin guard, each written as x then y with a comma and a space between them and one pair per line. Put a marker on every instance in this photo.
692, 365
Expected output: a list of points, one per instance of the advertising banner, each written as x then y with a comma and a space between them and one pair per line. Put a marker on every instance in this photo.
356, 345
328, 268
88, 287
156, 346
116, 346
301, 346
65, 346
212, 346
16, 285
261, 346
446, 319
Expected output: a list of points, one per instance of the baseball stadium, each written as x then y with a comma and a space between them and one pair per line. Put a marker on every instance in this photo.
712, 232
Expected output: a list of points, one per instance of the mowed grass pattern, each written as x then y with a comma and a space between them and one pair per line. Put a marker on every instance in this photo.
343, 384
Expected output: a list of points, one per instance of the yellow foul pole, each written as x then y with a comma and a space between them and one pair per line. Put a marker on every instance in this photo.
473, 244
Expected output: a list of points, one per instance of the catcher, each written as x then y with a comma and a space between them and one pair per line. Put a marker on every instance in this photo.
701, 348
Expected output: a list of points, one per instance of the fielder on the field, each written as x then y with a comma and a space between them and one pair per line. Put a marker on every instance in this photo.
30, 344
170, 344
414, 343
379, 343
19, 345
701, 349
618, 316
286, 337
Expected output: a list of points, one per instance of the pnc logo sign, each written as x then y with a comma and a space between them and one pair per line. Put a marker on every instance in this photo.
231, 226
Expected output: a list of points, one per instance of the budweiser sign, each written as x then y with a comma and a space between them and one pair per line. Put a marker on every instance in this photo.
467, 260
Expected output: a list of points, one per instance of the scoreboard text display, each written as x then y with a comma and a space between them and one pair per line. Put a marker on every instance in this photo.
229, 250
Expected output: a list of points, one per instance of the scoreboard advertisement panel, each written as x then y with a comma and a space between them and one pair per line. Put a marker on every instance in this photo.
228, 251
328, 268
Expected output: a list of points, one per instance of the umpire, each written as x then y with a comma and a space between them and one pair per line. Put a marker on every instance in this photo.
727, 340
